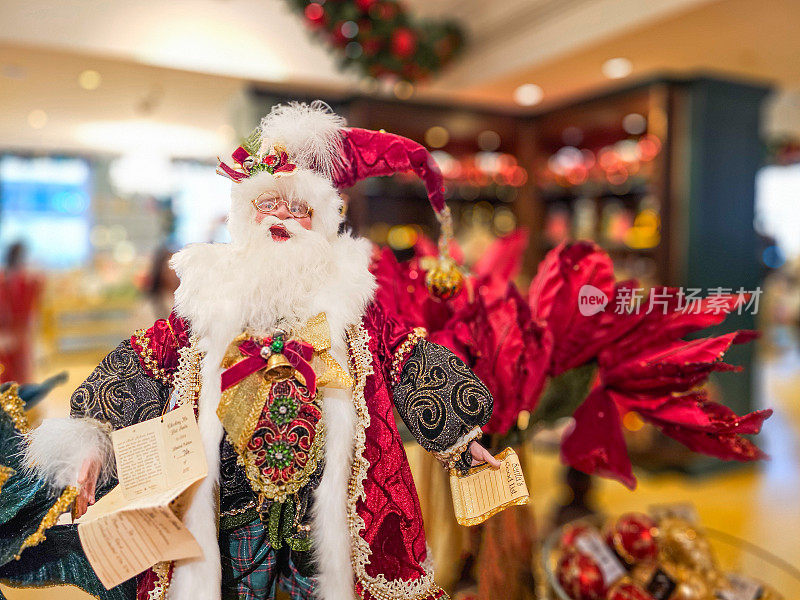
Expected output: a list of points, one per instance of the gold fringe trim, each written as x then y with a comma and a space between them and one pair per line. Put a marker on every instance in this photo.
5, 475
62, 504
11, 403
378, 587
45, 584
161, 585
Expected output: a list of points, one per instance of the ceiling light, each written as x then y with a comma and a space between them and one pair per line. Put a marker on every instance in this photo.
617, 68
150, 137
37, 118
403, 90
528, 94
489, 140
634, 123
89, 79
437, 136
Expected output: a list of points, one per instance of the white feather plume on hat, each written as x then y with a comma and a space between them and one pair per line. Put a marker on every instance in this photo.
310, 133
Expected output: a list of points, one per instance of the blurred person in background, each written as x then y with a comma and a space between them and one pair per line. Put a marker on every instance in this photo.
20, 290
159, 290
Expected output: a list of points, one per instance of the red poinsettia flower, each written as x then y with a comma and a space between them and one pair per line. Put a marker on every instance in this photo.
555, 295
403, 294
643, 363
506, 348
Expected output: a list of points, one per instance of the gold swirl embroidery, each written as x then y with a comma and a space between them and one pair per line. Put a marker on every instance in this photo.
379, 587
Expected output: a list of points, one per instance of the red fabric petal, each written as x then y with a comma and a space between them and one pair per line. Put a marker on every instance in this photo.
403, 295
502, 260
166, 337
660, 318
594, 443
699, 424
675, 367
554, 297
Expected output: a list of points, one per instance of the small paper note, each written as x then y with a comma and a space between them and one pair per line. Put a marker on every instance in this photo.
136, 525
742, 588
591, 544
485, 491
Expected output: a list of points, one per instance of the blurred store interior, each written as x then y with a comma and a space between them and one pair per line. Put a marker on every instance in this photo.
668, 132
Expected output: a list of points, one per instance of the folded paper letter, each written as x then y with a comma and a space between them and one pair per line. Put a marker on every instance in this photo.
137, 524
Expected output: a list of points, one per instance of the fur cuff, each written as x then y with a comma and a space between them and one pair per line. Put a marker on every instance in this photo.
55, 451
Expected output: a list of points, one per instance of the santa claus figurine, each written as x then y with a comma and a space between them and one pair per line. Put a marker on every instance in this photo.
294, 372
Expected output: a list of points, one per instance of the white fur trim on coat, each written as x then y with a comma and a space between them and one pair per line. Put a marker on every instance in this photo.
207, 298
56, 450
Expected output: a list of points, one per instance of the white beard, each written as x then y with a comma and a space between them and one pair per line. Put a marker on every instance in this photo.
282, 277
258, 283
254, 282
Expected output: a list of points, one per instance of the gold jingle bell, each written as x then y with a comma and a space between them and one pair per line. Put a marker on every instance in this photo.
278, 368
444, 280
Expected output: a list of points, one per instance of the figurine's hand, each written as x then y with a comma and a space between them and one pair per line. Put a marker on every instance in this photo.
482, 455
87, 482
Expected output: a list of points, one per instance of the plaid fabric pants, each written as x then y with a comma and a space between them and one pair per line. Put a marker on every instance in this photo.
253, 570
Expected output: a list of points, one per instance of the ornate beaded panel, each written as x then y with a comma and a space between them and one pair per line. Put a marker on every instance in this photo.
286, 445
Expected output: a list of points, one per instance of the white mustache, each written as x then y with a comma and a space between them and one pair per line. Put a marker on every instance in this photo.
291, 225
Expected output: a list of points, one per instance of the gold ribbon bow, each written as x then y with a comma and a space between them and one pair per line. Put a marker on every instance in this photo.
241, 405
317, 332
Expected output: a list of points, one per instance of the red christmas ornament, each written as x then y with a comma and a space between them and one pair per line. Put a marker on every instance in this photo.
404, 43
628, 591
580, 576
633, 538
570, 533
315, 14
365, 5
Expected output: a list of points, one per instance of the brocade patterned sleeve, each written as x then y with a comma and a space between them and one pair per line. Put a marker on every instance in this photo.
119, 392
442, 402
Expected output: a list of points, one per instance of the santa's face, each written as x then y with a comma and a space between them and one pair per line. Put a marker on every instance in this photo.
273, 205
284, 211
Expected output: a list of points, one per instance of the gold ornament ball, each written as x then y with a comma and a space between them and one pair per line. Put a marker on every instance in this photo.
682, 543
444, 280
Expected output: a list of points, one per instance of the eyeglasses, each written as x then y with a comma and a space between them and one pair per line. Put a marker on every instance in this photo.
269, 204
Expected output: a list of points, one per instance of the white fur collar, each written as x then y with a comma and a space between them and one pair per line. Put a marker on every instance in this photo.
203, 296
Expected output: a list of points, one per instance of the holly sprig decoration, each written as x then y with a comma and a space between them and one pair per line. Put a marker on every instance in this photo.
379, 38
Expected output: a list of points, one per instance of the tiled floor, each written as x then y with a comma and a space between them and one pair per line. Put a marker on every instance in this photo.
760, 504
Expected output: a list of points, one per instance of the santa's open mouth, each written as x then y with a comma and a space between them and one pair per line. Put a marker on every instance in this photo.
279, 233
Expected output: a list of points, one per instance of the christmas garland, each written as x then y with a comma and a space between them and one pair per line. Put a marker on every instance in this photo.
379, 39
